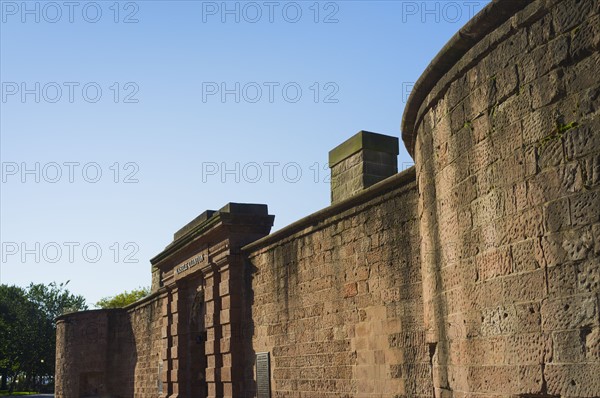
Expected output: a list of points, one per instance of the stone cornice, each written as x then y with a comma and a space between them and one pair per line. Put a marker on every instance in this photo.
213, 229
192, 235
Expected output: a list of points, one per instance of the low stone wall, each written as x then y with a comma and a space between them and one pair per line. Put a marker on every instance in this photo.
337, 299
81, 352
109, 353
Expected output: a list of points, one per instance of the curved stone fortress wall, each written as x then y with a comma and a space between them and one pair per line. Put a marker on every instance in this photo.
81, 332
113, 352
504, 126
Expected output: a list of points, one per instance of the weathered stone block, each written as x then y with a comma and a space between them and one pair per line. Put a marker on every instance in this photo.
540, 31
547, 89
569, 313
570, 13
528, 349
590, 170
581, 76
585, 208
543, 59
582, 140
568, 347
529, 286
585, 39
573, 380
557, 215
550, 153
527, 255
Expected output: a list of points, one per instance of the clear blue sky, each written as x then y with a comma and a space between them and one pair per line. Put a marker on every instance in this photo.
299, 78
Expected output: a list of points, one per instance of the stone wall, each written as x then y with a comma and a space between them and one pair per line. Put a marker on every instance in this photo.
82, 346
361, 161
337, 299
505, 128
146, 322
477, 273
109, 352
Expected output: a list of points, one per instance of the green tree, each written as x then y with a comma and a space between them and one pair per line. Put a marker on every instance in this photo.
27, 328
54, 299
20, 324
123, 299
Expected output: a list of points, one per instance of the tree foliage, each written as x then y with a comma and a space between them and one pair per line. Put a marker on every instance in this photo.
123, 299
27, 328
55, 300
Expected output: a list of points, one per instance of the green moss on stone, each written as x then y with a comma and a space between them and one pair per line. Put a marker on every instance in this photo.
559, 132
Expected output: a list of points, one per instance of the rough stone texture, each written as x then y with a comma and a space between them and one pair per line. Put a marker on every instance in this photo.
81, 345
338, 302
184, 340
361, 161
518, 116
113, 352
475, 274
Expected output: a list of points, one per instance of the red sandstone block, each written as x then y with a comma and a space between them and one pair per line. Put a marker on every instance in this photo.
226, 302
211, 375
569, 312
573, 380
224, 288
227, 389
527, 255
494, 263
585, 208
211, 361
350, 290
210, 347
562, 280
225, 344
226, 359
529, 286
528, 349
226, 374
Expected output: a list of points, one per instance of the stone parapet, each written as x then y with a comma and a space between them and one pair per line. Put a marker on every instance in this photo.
361, 161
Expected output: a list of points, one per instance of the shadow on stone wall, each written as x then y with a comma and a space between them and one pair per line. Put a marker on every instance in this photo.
121, 354
247, 330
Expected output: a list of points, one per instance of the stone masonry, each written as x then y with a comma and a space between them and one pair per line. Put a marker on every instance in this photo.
475, 273
506, 141
361, 161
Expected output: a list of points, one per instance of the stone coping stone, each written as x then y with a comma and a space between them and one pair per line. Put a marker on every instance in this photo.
231, 208
245, 208
194, 223
487, 20
363, 140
